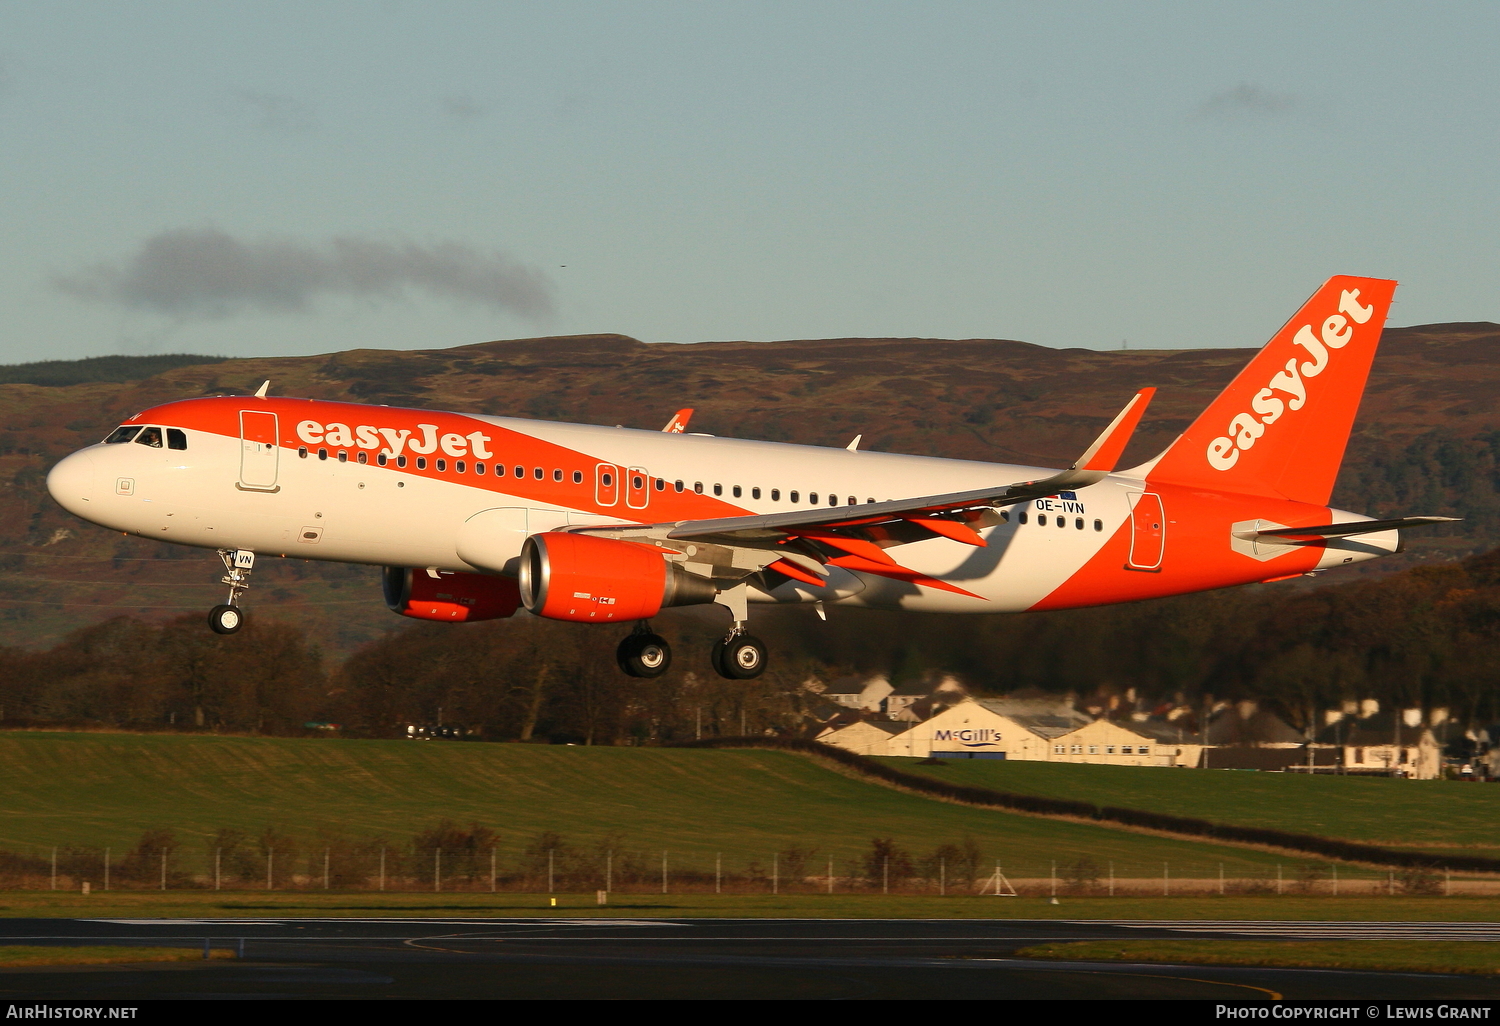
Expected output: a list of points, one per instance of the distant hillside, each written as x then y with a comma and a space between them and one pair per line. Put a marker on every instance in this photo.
60, 373
1427, 439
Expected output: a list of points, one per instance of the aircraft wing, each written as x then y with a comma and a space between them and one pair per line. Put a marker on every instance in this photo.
800, 543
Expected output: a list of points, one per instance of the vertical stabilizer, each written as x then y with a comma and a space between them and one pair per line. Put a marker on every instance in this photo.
1281, 426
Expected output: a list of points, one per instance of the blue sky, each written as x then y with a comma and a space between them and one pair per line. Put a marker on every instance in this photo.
287, 178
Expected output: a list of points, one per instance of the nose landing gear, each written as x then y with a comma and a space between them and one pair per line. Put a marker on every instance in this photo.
229, 617
644, 654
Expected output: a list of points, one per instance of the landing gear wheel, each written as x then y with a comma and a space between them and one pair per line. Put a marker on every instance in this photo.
226, 619
644, 655
740, 658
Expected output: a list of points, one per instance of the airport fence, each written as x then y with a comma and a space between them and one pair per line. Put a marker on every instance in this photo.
949, 870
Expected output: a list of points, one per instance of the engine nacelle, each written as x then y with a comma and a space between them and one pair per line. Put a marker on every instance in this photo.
450, 597
600, 580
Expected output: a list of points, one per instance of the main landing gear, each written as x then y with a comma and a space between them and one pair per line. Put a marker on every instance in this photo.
647, 654
644, 653
739, 656
229, 617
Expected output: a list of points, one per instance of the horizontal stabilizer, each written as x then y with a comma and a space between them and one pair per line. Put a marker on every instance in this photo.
1350, 529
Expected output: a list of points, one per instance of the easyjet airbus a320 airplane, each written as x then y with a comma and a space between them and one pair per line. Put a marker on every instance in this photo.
474, 517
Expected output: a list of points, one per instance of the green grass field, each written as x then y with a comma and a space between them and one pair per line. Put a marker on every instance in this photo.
1427, 814
198, 904
97, 789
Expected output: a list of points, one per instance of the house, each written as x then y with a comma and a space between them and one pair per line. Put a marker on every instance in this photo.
1376, 746
1392, 743
867, 694
922, 699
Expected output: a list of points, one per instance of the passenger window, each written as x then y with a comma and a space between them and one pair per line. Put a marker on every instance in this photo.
677, 485
833, 500
853, 501
775, 494
323, 455
1078, 523
792, 497
718, 489
736, 491
1005, 516
1062, 521
1021, 517
381, 459
442, 464
1098, 525
578, 478
660, 485
460, 466
150, 436
121, 434
520, 472
536, 472
362, 458
698, 487
401, 462
557, 475
755, 493
421, 461
812, 497
479, 468
302, 453
176, 438
343, 456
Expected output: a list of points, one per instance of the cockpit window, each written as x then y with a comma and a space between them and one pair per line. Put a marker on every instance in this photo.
150, 436
121, 434
176, 438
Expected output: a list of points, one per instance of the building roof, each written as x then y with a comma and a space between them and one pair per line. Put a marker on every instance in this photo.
1229, 727
1049, 705
1163, 732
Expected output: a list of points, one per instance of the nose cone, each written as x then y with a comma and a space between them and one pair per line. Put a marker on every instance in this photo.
73, 482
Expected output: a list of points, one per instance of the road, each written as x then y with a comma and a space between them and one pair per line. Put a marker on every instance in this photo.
694, 958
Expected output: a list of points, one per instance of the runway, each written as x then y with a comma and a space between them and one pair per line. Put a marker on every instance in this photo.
694, 958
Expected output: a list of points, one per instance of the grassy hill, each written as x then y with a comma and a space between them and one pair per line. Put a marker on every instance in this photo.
1422, 814
92, 790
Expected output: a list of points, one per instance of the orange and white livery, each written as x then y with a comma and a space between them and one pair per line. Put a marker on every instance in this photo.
475, 516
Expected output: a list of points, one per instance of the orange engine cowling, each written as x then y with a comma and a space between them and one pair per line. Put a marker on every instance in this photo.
601, 580
450, 597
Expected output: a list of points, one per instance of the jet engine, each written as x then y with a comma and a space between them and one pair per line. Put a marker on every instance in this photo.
451, 597
600, 580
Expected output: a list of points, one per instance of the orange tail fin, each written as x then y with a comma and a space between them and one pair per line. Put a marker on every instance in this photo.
1281, 426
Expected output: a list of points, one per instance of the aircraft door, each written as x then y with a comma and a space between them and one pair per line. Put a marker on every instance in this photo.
1148, 533
606, 484
637, 488
259, 453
